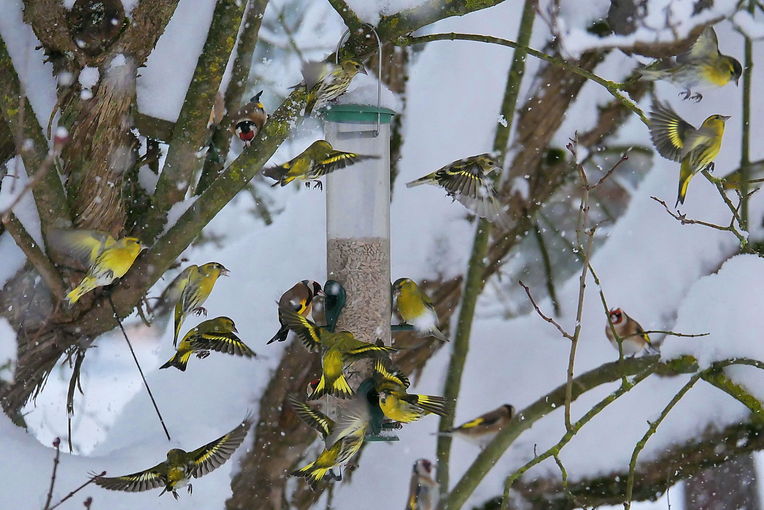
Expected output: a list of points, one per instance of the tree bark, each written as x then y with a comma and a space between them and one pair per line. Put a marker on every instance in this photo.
731, 486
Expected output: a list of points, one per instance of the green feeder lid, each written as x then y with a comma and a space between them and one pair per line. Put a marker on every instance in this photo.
357, 114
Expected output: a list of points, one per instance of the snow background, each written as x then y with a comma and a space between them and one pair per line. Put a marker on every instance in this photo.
666, 275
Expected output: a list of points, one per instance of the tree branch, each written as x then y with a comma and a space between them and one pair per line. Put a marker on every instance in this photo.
347, 14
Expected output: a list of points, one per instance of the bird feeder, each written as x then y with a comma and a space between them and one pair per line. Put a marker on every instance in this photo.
358, 218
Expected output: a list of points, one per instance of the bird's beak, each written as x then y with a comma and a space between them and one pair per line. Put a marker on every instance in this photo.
726, 117
224, 272
234, 329
363, 70
737, 81
321, 293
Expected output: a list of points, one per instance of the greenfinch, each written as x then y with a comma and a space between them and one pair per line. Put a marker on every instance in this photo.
180, 466
194, 287
326, 82
300, 298
218, 334
702, 67
317, 160
338, 349
397, 404
633, 338
414, 307
467, 180
249, 120
484, 428
677, 140
423, 489
107, 258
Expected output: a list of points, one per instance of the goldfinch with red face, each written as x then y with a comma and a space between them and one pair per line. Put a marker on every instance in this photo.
300, 299
633, 338
484, 428
423, 489
249, 120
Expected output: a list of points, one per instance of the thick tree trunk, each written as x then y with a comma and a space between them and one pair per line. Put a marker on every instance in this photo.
731, 486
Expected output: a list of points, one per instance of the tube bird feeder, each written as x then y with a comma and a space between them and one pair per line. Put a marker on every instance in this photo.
358, 219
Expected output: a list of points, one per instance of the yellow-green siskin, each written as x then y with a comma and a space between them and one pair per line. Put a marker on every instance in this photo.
317, 160
218, 334
180, 466
300, 298
338, 349
400, 406
107, 258
194, 288
423, 489
249, 120
414, 307
484, 428
326, 82
677, 140
467, 181
702, 67
633, 337
343, 438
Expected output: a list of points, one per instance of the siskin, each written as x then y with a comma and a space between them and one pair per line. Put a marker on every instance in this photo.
317, 160
107, 258
677, 140
218, 334
466, 180
300, 299
484, 428
414, 307
194, 287
249, 120
397, 404
180, 466
633, 338
423, 489
343, 438
338, 350
703, 66
326, 82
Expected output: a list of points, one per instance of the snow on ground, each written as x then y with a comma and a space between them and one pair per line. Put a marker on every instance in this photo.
651, 266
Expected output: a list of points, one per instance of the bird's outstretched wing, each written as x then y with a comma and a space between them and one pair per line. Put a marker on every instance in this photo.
311, 417
669, 131
227, 343
334, 161
305, 330
388, 376
213, 455
705, 46
83, 246
148, 479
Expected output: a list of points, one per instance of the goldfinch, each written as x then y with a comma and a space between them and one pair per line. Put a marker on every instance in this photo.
195, 287
677, 140
343, 437
633, 338
414, 307
423, 489
484, 428
317, 160
702, 67
107, 258
466, 180
397, 404
180, 466
338, 349
326, 82
218, 334
249, 120
299, 298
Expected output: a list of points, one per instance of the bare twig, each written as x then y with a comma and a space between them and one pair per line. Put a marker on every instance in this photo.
75, 491
140, 370
542, 315
56, 445
684, 220
547, 263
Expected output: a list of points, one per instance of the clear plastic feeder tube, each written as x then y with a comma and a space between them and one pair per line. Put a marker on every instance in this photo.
358, 219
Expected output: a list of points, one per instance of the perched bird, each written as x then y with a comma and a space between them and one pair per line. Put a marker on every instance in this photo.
193, 290
180, 466
338, 349
400, 406
677, 140
300, 299
249, 120
702, 67
484, 428
466, 180
414, 307
343, 437
107, 258
633, 338
319, 159
423, 489
326, 82
218, 334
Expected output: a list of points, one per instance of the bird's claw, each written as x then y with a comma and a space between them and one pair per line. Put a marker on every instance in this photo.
190, 488
319, 185
175, 495
202, 354
697, 97
199, 310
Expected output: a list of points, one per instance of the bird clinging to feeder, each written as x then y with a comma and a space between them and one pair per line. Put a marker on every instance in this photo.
326, 82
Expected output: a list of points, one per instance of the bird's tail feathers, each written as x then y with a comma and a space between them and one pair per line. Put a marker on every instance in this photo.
178, 361
418, 182
339, 388
311, 473
280, 335
434, 405
684, 182
435, 332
